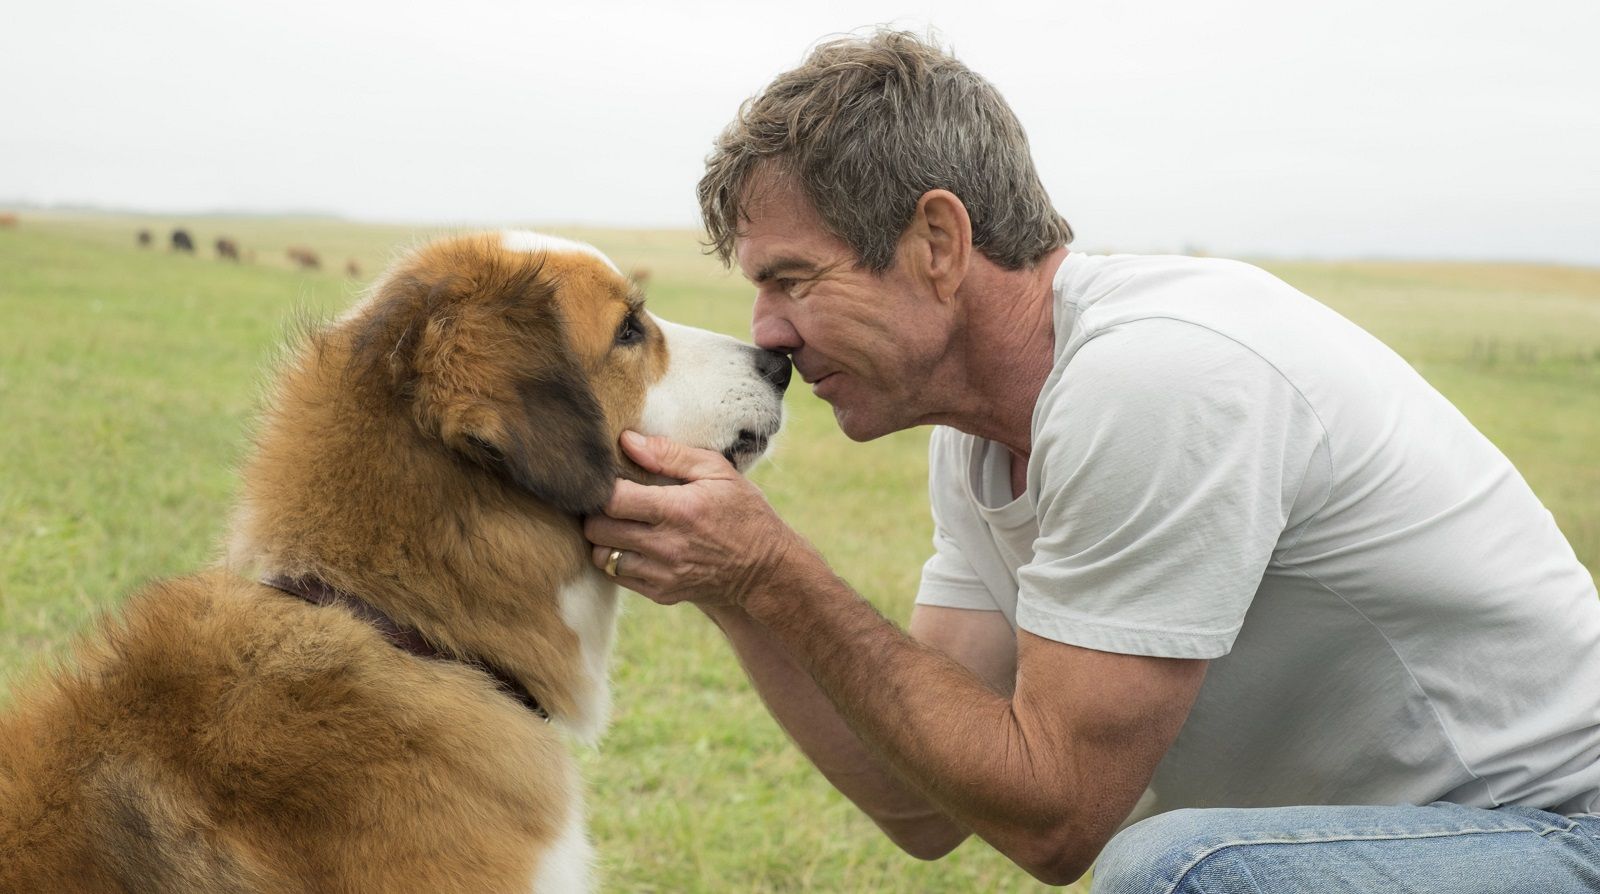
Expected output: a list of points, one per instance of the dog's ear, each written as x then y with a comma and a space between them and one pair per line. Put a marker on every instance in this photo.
550, 440
495, 382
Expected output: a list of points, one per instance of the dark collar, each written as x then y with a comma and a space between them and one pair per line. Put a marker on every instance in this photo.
408, 639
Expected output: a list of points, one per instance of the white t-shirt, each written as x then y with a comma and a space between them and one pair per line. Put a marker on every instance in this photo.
1224, 468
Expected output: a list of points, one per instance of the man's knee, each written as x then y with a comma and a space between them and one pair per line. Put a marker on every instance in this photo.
1165, 854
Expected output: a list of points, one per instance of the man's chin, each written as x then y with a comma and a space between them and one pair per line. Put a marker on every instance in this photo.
858, 426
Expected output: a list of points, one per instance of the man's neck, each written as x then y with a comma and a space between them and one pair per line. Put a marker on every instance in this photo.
1006, 350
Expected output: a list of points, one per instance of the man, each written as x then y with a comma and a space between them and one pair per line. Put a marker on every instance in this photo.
1193, 532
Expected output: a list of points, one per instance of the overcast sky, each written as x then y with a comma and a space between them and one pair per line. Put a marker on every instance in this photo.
1357, 128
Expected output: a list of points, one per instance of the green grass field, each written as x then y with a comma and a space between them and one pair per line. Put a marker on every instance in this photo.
128, 378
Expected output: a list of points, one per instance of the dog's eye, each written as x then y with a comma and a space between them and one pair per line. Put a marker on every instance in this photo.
630, 333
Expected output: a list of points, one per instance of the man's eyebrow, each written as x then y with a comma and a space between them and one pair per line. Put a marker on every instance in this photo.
782, 265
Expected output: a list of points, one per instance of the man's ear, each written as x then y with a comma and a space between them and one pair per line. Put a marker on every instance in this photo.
942, 224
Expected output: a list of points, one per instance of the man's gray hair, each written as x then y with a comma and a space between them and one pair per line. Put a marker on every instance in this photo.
866, 126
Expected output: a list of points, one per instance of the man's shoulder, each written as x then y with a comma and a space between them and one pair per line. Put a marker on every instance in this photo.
1213, 298
1106, 284
1154, 263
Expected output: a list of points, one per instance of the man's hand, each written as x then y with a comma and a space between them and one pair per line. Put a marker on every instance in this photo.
711, 540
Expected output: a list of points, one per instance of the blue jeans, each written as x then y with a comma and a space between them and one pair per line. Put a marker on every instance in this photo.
1354, 850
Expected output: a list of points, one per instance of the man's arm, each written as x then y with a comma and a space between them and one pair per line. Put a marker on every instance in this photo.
1044, 774
981, 641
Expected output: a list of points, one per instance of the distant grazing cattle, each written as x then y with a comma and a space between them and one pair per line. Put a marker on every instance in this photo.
145, 239
352, 269
640, 276
181, 241
8, 220
304, 257
227, 249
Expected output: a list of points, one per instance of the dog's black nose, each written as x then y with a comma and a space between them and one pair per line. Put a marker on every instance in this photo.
775, 368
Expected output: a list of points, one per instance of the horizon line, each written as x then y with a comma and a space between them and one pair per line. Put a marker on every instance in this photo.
1190, 248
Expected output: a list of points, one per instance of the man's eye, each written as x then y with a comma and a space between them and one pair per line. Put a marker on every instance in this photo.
630, 333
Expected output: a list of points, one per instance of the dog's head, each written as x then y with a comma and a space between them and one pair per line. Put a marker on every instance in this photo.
528, 355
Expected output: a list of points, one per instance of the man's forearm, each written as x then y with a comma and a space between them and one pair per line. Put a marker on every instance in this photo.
812, 721
942, 729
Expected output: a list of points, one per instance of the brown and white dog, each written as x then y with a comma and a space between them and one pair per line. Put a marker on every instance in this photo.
417, 481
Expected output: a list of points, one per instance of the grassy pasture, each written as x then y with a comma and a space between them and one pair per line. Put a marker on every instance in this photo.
128, 378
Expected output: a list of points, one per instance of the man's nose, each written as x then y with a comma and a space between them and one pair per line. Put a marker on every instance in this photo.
769, 329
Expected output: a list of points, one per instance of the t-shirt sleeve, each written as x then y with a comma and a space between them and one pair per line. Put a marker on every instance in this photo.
948, 578
1167, 462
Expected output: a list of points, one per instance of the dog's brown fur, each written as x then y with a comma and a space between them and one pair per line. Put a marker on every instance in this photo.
430, 453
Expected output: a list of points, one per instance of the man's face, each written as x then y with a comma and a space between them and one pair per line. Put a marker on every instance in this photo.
867, 344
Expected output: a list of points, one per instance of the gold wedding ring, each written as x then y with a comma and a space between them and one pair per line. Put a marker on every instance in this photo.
611, 562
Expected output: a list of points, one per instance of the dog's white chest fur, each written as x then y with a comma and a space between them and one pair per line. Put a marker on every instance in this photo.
589, 607
567, 865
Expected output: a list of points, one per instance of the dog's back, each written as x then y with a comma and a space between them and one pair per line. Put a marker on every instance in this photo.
225, 737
